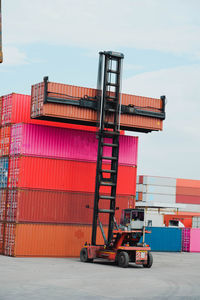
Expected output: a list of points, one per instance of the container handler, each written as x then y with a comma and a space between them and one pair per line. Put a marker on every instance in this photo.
122, 243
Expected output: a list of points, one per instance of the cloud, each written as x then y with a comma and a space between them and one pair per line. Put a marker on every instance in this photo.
12, 56
170, 26
174, 151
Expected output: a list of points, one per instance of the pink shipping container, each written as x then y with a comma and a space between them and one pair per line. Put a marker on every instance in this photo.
186, 239
195, 240
191, 239
45, 141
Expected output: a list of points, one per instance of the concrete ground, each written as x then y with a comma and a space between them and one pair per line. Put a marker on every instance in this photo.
172, 276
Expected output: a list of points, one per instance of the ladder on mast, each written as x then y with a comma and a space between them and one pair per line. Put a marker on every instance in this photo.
109, 110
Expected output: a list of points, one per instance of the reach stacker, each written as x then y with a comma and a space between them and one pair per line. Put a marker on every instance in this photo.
123, 243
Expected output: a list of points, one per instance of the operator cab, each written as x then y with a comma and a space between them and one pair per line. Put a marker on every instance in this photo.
132, 219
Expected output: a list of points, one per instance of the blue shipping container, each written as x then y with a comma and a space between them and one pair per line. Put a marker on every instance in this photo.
164, 239
3, 172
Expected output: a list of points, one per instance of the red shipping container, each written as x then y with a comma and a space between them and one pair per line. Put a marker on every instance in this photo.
2, 204
1, 106
64, 175
25, 205
1, 237
5, 133
188, 199
72, 113
184, 190
47, 239
186, 220
16, 109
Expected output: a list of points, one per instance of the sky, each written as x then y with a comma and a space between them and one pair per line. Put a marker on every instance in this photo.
161, 44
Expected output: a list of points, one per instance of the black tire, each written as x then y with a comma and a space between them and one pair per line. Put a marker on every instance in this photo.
84, 256
123, 259
149, 261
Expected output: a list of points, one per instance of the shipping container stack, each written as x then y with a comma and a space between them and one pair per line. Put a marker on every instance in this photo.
188, 193
48, 179
154, 189
4, 161
157, 190
184, 196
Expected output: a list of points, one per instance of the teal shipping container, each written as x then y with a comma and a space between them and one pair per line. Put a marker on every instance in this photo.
3, 172
164, 239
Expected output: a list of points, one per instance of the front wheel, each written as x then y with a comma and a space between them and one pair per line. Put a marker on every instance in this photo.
149, 261
84, 255
123, 259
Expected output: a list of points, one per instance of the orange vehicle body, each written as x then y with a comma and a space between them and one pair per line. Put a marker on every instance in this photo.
121, 242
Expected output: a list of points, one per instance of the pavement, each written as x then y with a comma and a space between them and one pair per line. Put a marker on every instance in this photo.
172, 276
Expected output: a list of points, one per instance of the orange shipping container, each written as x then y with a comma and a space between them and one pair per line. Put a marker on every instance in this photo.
187, 183
71, 113
5, 140
47, 240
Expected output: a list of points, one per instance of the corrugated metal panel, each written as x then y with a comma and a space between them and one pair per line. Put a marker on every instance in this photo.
1, 99
5, 140
188, 199
156, 189
187, 183
155, 180
55, 174
186, 239
164, 239
3, 172
195, 240
190, 208
159, 198
89, 115
139, 188
1, 237
192, 191
45, 141
2, 204
47, 240
58, 207
195, 222
16, 109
